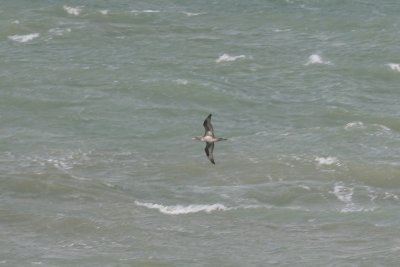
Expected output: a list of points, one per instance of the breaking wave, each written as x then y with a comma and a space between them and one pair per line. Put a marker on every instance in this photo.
24, 38
195, 208
76, 11
180, 209
394, 66
317, 59
229, 58
327, 161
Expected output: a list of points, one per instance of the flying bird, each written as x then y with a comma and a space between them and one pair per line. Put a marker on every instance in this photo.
209, 138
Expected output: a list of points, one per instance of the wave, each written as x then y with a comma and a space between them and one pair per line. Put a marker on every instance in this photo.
360, 125
228, 58
327, 161
145, 11
394, 66
345, 195
24, 38
59, 31
354, 125
362, 197
317, 59
181, 82
190, 14
76, 11
180, 209
196, 208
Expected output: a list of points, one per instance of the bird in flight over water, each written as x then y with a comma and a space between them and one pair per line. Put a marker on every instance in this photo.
209, 138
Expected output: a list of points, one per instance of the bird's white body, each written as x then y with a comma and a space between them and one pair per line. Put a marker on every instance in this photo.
208, 139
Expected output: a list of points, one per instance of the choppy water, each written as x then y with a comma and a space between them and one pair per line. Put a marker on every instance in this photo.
99, 101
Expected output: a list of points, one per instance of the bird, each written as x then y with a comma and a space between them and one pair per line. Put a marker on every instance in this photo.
209, 138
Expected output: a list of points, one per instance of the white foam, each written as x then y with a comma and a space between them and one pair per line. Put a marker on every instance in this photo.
76, 11
327, 161
317, 59
190, 14
104, 12
24, 38
180, 209
181, 82
228, 58
391, 195
354, 125
361, 125
145, 11
345, 195
394, 66
61, 164
306, 187
282, 30
382, 127
59, 31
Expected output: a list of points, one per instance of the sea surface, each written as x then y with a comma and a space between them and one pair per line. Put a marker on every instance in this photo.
99, 101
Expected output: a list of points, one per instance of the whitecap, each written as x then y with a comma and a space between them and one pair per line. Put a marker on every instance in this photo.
382, 127
317, 59
180, 209
145, 11
282, 30
76, 11
24, 38
228, 58
104, 12
354, 125
327, 161
394, 66
361, 125
345, 195
190, 14
391, 196
59, 31
305, 187
61, 164
181, 82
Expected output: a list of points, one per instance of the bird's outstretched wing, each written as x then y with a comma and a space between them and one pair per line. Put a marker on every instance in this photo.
209, 152
208, 126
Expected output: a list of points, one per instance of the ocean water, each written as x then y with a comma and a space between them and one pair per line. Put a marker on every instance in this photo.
99, 101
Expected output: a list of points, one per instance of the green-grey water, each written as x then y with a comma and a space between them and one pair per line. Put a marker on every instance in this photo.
99, 101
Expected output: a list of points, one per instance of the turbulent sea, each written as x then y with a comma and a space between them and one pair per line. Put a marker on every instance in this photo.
99, 101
